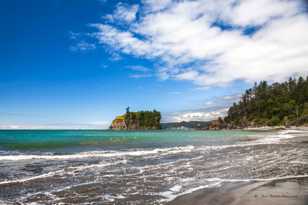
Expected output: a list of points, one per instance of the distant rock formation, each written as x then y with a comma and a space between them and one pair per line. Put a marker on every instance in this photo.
218, 124
141, 120
118, 123
186, 125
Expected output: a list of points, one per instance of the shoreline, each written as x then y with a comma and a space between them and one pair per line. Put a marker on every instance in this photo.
292, 190
275, 192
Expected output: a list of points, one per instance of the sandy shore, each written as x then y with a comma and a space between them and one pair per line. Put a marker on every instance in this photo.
283, 191
278, 192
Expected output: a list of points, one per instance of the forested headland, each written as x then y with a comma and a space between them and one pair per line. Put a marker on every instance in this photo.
277, 104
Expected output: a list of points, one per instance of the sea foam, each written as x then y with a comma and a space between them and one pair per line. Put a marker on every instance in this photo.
107, 154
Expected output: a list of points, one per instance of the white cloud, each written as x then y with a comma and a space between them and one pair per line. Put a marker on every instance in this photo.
156, 5
187, 41
124, 41
139, 71
138, 68
197, 115
217, 107
124, 13
187, 75
81, 42
234, 98
249, 12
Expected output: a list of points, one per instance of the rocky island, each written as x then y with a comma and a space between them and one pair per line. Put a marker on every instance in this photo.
141, 120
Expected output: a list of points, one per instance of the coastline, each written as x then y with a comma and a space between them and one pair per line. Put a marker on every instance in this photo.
276, 192
292, 190
275, 128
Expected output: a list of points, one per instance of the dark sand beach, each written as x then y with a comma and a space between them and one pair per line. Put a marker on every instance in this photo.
280, 191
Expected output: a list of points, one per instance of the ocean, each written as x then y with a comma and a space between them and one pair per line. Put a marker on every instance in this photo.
138, 167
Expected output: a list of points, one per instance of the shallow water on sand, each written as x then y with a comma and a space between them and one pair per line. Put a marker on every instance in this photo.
109, 167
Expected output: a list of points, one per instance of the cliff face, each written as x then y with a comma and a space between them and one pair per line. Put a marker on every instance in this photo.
217, 124
119, 123
142, 120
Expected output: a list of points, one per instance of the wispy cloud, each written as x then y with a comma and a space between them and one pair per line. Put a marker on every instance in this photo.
83, 46
138, 68
113, 56
81, 42
210, 110
213, 42
140, 71
123, 13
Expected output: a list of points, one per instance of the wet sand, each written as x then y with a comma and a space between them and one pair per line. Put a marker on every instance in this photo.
289, 191
280, 192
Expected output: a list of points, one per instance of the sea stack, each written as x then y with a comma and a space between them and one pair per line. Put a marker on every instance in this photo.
140, 120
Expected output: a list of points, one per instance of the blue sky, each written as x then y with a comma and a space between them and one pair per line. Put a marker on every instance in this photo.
76, 63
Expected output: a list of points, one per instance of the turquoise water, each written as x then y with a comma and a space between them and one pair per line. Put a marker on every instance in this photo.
130, 167
106, 139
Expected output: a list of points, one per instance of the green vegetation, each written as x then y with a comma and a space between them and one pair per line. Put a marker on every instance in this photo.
277, 104
142, 120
